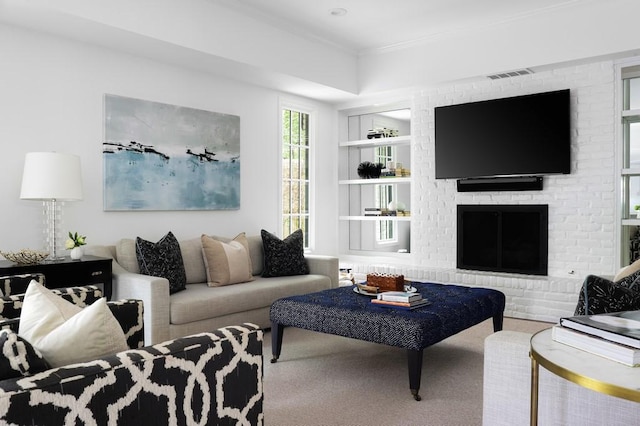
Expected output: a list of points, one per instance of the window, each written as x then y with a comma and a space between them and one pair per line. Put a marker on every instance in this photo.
295, 172
385, 229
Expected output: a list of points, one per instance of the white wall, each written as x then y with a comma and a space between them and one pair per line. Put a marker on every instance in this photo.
582, 205
51, 99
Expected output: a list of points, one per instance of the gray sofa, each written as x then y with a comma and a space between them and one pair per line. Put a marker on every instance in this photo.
507, 391
200, 308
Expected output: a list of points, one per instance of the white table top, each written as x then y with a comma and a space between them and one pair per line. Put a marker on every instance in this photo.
586, 369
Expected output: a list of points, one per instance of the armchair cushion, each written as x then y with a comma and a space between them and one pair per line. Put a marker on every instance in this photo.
65, 333
17, 284
18, 357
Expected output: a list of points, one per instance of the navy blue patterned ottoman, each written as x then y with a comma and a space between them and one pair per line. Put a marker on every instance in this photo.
342, 312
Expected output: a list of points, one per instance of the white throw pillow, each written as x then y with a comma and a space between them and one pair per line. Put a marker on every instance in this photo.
66, 334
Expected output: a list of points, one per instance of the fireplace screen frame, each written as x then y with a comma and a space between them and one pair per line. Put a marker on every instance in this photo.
481, 243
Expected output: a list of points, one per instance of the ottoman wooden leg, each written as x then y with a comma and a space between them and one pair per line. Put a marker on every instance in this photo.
497, 321
276, 340
415, 372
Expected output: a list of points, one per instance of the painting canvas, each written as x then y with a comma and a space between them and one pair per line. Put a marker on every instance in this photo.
166, 157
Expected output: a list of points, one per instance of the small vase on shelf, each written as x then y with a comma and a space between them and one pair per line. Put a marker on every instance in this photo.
76, 253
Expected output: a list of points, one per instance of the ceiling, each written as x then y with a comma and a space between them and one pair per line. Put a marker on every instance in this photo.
373, 25
377, 50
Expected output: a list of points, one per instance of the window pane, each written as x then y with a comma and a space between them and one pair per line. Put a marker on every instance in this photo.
634, 93
304, 129
632, 133
286, 197
634, 195
304, 198
304, 163
295, 197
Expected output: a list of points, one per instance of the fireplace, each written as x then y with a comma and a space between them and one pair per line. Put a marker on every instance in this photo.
503, 238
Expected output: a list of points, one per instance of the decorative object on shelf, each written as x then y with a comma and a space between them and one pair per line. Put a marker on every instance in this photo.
75, 243
382, 133
397, 206
369, 170
25, 256
51, 177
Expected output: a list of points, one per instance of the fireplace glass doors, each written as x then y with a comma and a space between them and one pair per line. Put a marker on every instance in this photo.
503, 238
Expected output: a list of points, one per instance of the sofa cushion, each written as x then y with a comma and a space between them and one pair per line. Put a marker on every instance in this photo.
126, 255
201, 302
162, 259
283, 257
226, 263
65, 333
18, 357
194, 267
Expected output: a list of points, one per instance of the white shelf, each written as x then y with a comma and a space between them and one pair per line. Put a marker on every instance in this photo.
364, 143
631, 222
383, 181
396, 218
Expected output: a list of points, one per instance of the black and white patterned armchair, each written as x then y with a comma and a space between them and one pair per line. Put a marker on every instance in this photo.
209, 379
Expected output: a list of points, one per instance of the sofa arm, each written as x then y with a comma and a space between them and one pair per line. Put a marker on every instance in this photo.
154, 293
210, 379
324, 265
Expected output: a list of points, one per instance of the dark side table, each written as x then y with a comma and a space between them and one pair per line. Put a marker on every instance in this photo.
67, 272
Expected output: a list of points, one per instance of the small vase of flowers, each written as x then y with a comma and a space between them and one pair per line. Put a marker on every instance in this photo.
75, 243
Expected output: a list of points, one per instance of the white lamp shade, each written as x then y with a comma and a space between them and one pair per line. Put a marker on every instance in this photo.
51, 176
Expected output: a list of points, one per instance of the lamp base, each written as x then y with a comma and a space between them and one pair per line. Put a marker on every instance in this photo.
52, 224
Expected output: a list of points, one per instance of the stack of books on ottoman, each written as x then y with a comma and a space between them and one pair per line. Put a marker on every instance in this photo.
613, 335
400, 300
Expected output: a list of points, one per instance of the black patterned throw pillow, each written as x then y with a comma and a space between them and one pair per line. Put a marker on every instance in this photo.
162, 259
599, 295
284, 257
18, 357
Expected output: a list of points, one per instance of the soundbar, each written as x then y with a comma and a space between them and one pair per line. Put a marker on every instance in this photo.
507, 183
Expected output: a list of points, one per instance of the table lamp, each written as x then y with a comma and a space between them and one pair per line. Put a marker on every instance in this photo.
51, 177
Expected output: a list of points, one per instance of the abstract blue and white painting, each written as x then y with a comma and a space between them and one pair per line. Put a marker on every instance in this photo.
166, 157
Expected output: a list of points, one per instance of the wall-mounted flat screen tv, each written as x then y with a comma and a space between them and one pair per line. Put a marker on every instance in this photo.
519, 136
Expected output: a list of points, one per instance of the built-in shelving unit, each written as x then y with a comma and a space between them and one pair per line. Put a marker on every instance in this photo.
359, 233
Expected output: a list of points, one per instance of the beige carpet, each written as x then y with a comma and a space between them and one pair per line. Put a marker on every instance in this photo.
329, 380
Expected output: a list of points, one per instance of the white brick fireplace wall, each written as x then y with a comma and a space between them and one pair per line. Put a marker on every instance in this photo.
582, 229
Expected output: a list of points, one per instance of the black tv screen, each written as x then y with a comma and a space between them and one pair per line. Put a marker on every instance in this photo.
523, 135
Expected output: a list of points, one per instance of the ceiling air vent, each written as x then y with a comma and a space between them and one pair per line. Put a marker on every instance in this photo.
510, 74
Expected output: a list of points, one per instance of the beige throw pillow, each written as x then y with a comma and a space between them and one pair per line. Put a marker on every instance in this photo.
226, 263
65, 333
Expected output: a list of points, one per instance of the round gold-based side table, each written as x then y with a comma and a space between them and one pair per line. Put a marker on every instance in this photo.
583, 368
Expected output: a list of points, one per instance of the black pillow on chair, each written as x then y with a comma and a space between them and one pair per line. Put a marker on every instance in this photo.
600, 295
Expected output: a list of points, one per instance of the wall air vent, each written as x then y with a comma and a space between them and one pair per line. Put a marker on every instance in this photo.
509, 74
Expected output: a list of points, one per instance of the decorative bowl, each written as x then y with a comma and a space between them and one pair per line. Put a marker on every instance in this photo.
25, 256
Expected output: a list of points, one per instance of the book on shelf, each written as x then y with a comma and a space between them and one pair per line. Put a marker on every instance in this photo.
596, 345
372, 211
620, 327
400, 305
399, 296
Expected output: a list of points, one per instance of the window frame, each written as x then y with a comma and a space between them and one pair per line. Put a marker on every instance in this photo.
285, 104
